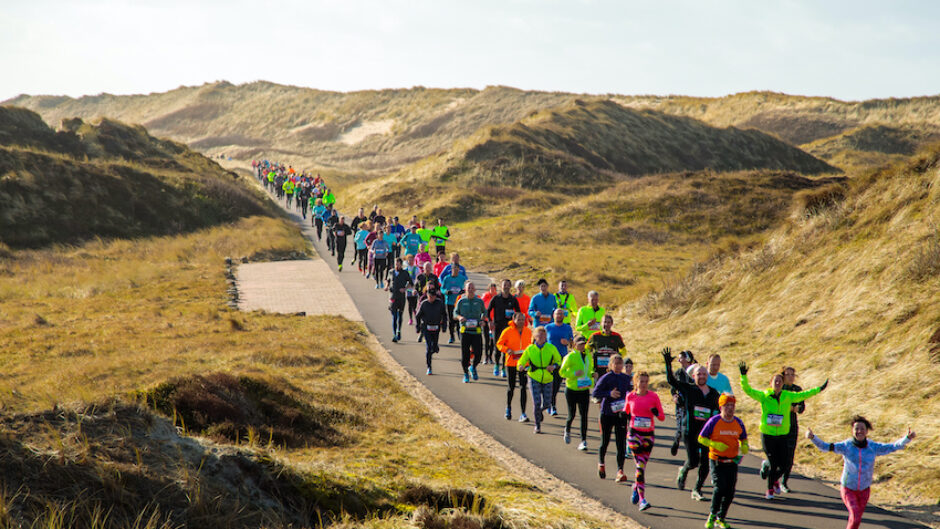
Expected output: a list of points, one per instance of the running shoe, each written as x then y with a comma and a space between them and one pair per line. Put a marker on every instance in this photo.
377, 286
411, 322
339, 268
697, 495
429, 371
710, 523
395, 338
601, 471
451, 340
769, 495
635, 497
674, 449
552, 411
784, 489
764, 469
723, 524
644, 504
466, 379
621, 477
496, 371
538, 428
508, 414
502, 373
567, 436
473, 373
777, 490
523, 418
583, 446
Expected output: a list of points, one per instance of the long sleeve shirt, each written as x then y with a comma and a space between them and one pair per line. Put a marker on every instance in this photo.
775, 411
610, 381
536, 360
699, 407
541, 308
858, 462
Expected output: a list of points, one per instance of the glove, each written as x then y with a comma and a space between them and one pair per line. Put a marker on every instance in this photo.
667, 355
655, 412
743, 448
742, 367
737, 460
824, 384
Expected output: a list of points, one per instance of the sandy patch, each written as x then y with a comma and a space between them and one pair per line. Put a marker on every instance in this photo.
362, 131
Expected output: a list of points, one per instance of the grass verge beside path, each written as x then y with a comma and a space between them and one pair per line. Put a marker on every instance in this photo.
109, 320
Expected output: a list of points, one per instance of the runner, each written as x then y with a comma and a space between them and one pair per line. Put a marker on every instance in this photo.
431, 315
540, 360
565, 301
612, 390
423, 256
318, 216
682, 375
524, 300
390, 258
726, 439
577, 367
440, 264
489, 337
452, 285
380, 253
501, 311
398, 231
590, 316
542, 305
340, 231
775, 422
330, 235
701, 404
470, 312
560, 335
412, 293
643, 406
426, 279
604, 344
789, 377
362, 249
717, 380
454, 261
288, 187
858, 464
398, 285
304, 199
440, 234
359, 219
512, 342
411, 242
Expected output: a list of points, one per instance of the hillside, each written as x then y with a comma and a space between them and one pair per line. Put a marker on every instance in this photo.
848, 288
355, 132
873, 145
107, 179
570, 150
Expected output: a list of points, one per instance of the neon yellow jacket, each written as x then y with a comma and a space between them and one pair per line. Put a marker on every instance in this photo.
585, 315
288, 187
577, 361
537, 359
775, 412
566, 303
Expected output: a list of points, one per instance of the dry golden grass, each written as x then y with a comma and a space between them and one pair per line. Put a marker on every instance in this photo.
850, 292
107, 319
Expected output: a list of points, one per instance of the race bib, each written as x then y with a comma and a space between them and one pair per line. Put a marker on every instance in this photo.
509, 313
340, 233
544, 318
643, 423
455, 290
774, 419
584, 382
471, 324
618, 406
602, 361
433, 327
594, 326
702, 413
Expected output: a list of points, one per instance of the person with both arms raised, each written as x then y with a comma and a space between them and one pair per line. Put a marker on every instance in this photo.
682, 375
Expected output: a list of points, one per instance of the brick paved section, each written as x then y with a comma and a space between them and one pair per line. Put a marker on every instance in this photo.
293, 286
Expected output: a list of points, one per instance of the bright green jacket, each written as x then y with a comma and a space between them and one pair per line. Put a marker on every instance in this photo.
271, 176
328, 198
586, 314
538, 359
566, 303
576, 361
288, 187
775, 412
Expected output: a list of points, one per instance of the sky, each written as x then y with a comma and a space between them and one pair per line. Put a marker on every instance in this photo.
850, 50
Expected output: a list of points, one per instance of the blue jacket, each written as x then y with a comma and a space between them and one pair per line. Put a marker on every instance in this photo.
411, 242
449, 283
555, 335
544, 304
360, 239
446, 271
858, 464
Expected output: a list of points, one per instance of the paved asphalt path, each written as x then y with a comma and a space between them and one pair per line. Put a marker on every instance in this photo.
811, 505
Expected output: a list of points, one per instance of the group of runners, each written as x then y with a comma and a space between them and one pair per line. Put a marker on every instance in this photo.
540, 342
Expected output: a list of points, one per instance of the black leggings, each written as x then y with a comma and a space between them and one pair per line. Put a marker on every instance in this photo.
696, 455
318, 223
451, 320
498, 329
379, 270
513, 375
489, 343
362, 258
792, 438
775, 448
412, 305
578, 400
725, 480
470, 343
340, 250
616, 423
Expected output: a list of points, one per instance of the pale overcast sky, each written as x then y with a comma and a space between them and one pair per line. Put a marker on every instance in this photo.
850, 50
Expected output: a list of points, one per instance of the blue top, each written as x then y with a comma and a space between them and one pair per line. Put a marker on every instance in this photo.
544, 304
608, 382
446, 271
558, 332
397, 230
721, 383
452, 285
325, 214
390, 239
360, 239
858, 464
411, 242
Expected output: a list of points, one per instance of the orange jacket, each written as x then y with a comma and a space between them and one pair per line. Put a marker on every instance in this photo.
513, 340
524, 301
